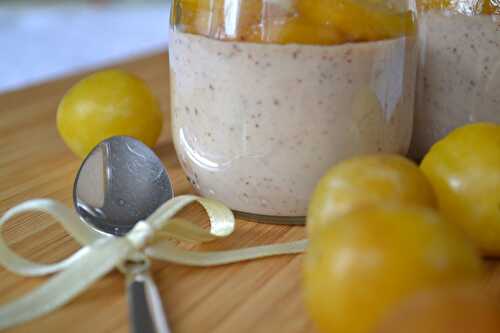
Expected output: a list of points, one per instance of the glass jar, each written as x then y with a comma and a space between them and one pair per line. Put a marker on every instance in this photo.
459, 68
268, 94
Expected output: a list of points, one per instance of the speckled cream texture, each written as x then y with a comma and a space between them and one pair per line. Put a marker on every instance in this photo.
257, 125
458, 76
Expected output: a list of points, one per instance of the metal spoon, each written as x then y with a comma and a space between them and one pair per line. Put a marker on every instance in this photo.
120, 183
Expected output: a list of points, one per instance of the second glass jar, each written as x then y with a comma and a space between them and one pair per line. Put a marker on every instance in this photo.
459, 68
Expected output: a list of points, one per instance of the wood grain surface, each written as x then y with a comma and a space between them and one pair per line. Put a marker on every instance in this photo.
258, 296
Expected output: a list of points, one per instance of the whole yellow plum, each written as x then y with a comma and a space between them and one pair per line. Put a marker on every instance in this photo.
106, 104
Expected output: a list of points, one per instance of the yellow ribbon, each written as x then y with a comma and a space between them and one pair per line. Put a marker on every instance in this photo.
102, 253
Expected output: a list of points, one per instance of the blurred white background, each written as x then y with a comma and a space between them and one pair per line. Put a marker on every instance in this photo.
40, 40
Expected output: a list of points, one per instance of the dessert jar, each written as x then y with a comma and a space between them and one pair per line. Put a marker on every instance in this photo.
267, 95
459, 68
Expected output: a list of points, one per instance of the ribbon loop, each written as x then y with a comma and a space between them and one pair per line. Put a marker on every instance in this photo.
69, 221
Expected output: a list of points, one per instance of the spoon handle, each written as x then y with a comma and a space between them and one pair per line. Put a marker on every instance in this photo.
145, 308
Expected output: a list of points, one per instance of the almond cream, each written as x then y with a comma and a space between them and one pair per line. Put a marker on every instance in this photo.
257, 125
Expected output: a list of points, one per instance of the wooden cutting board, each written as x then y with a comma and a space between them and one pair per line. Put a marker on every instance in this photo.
258, 296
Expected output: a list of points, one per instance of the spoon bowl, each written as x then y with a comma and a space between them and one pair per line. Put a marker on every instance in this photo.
120, 182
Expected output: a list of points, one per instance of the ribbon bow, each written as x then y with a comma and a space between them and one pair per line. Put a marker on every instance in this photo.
101, 253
